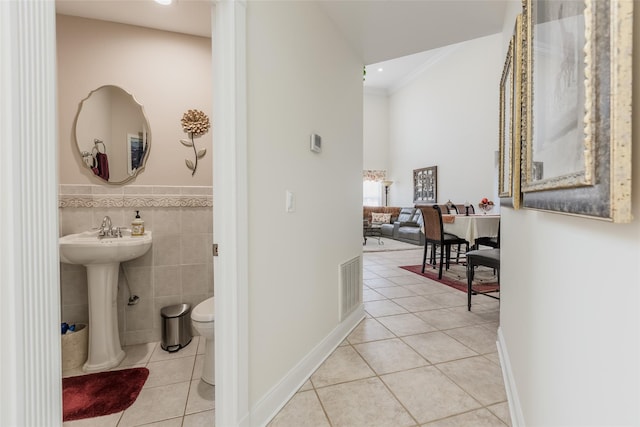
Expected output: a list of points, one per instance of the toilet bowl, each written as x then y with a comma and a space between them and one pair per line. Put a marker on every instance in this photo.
202, 320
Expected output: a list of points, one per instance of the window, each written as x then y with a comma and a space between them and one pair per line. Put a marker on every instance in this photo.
371, 193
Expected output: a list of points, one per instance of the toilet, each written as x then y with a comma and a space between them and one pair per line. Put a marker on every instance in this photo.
202, 320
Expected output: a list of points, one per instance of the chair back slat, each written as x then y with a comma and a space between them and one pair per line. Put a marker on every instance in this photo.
434, 236
462, 209
432, 218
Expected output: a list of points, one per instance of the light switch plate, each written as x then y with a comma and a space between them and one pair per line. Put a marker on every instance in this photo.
291, 202
316, 143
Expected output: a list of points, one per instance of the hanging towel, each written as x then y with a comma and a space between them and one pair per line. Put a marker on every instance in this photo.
103, 166
94, 166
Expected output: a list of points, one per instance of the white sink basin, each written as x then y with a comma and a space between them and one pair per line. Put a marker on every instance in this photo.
87, 248
102, 257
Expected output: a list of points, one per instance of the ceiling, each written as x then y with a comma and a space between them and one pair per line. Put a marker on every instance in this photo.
377, 30
389, 75
382, 30
183, 16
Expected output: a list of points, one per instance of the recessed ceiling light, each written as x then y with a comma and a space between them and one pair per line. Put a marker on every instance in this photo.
164, 2
380, 70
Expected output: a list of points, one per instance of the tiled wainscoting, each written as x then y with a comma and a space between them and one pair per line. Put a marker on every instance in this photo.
178, 268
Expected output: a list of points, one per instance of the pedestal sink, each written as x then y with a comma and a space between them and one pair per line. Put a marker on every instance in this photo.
102, 257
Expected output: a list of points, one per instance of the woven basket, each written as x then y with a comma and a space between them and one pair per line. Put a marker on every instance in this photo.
74, 347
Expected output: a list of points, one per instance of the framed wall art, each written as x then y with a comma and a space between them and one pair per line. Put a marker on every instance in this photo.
506, 126
425, 185
577, 112
509, 123
135, 152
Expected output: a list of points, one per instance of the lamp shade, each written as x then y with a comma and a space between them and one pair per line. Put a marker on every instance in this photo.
387, 183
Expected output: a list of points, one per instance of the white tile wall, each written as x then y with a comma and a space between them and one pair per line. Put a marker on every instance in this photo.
177, 269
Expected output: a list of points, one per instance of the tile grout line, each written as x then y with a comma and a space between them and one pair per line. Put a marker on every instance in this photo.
384, 383
348, 343
193, 367
478, 354
380, 377
324, 411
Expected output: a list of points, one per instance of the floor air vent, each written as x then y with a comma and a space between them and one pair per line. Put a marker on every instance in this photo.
350, 286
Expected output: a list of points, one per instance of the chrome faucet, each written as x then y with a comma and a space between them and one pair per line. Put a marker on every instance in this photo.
107, 230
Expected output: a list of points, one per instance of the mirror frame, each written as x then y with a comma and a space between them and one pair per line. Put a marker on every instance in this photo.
148, 137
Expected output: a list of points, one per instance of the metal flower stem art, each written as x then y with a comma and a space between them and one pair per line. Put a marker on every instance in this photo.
194, 123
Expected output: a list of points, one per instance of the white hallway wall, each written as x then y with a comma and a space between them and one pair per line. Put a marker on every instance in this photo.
301, 79
447, 116
570, 306
376, 130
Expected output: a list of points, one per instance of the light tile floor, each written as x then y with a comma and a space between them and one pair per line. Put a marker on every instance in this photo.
173, 395
419, 358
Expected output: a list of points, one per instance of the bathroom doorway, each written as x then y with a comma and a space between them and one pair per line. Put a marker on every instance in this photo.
28, 363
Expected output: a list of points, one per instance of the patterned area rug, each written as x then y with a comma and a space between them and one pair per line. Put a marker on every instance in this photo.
386, 245
484, 280
103, 393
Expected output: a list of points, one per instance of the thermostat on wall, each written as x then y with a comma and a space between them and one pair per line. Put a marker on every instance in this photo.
316, 143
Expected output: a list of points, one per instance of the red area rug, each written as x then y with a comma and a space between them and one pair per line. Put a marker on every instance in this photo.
102, 393
456, 277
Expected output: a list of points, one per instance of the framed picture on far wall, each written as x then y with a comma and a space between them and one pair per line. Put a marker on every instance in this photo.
425, 185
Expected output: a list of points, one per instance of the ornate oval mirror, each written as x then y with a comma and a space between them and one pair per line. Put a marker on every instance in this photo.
112, 134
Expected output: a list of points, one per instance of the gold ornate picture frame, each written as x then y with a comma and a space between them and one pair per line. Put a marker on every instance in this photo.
505, 188
577, 108
510, 120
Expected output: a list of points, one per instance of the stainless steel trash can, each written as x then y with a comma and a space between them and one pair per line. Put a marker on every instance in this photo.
176, 327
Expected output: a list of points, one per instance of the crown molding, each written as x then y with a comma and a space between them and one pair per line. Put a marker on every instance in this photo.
368, 90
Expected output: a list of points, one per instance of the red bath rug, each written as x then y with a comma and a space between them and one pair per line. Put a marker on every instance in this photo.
102, 393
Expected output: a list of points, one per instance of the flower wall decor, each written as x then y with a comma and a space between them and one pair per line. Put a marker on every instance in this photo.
194, 123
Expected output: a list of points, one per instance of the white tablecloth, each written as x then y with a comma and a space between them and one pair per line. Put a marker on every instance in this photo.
473, 226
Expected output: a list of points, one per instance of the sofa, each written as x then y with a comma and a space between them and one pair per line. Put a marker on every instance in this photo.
405, 224
386, 229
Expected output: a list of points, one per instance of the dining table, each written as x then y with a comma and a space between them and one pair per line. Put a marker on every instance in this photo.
471, 227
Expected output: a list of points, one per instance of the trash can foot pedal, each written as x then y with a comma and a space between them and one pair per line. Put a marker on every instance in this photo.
172, 348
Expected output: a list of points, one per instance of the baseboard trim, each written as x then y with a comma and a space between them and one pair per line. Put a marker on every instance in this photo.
515, 410
275, 399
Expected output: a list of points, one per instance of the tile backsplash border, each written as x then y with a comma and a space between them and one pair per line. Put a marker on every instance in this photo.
152, 196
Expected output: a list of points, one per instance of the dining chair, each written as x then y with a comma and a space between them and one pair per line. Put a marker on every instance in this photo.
493, 242
460, 208
435, 236
485, 257
452, 209
447, 209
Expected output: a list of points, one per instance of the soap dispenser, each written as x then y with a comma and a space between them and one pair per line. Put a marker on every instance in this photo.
137, 225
